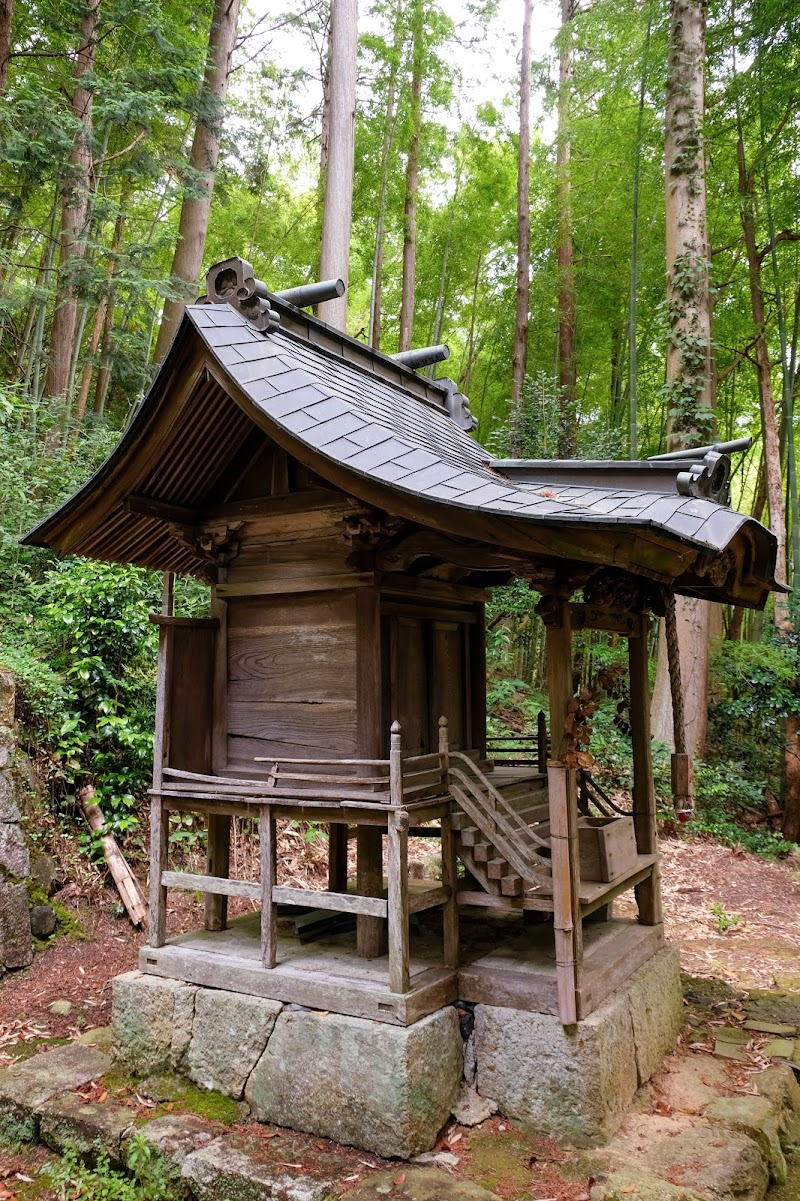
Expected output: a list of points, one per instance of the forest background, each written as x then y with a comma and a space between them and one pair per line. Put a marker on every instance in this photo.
508, 198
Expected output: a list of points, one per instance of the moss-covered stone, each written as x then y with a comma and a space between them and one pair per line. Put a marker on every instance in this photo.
758, 1119
628, 1182
88, 1127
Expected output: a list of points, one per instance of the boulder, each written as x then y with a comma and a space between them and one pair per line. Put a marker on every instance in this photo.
43, 872
229, 1034
43, 921
388, 1089
779, 1085
88, 1127
419, 1184
628, 1183
14, 858
16, 948
9, 810
143, 1011
247, 1168
758, 1119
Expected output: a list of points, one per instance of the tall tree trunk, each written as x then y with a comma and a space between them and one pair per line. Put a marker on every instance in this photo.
102, 309
337, 217
412, 185
187, 260
633, 366
6, 14
520, 359
389, 121
567, 364
73, 213
689, 367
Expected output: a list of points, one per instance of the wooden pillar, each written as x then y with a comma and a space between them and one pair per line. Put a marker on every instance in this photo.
269, 911
648, 893
370, 931
158, 817
337, 857
397, 871
563, 802
449, 862
218, 863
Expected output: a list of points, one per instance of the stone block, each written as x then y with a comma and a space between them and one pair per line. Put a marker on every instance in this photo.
655, 1000
16, 947
758, 1119
14, 858
574, 1083
70, 1121
170, 1139
388, 1089
143, 1012
247, 1168
8, 743
778, 1048
779, 1085
43, 921
229, 1033
26, 1087
43, 872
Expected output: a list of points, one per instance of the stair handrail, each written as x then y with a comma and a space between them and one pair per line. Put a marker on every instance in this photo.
499, 800
461, 787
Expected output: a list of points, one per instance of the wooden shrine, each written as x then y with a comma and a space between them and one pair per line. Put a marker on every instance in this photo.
351, 529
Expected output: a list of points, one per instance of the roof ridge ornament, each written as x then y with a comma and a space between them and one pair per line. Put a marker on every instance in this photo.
233, 282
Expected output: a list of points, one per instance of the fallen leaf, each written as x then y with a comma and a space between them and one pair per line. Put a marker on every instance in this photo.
351, 1179
629, 1188
297, 1166
400, 1179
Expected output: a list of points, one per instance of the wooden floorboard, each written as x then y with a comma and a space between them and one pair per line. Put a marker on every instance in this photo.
505, 962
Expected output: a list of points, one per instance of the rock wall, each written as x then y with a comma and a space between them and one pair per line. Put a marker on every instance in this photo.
16, 944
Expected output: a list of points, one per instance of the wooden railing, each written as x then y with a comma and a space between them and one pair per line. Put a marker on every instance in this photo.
521, 750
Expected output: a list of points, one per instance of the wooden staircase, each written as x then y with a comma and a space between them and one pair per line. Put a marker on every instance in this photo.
502, 828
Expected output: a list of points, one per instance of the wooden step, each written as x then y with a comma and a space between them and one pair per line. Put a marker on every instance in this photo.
512, 886
497, 868
460, 820
470, 835
482, 852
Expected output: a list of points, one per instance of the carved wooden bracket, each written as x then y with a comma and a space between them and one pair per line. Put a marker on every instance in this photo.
215, 544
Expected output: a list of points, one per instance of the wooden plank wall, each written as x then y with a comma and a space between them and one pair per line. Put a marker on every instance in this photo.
191, 685
291, 677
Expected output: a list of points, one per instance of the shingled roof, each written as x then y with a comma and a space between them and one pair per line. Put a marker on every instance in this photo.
389, 437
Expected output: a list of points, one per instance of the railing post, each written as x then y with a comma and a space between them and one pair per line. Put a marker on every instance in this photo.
449, 860
563, 915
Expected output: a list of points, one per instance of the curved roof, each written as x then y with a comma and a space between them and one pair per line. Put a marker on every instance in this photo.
383, 434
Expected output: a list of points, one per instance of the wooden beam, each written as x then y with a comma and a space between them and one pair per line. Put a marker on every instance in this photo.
370, 931
160, 619
217, 886
297, 584
339, 902
648, 893
337, 857
145, 506
159, 831
397, 842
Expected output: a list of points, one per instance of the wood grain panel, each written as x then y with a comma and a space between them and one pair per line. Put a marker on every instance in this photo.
190, 697
448, 692
297, 664
287, 612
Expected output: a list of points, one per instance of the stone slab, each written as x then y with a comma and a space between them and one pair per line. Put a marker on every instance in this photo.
26, 1087
419, 1184
655, 1002
246, 1168
778, 1048
762, 1026
143, 1019
9, 809
388, 1089
228, 1036
14, 858
70, 1120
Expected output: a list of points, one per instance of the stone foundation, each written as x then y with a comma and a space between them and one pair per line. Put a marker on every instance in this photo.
390, 1089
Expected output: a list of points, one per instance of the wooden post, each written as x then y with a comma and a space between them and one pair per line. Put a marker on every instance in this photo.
449, 862
562, 788
370, 931
158, 818
398, 870
541, 741
563, 921
337, 857
269, 911
218, 863
648, 893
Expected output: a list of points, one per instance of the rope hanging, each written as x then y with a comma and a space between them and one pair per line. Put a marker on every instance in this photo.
682, 785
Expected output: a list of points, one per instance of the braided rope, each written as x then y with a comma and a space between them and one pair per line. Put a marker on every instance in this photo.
675, 685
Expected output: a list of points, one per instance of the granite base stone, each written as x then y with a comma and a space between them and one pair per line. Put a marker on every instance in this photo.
577, 1083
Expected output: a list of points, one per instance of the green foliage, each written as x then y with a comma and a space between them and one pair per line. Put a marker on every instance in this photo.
725, 920
69, 1177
